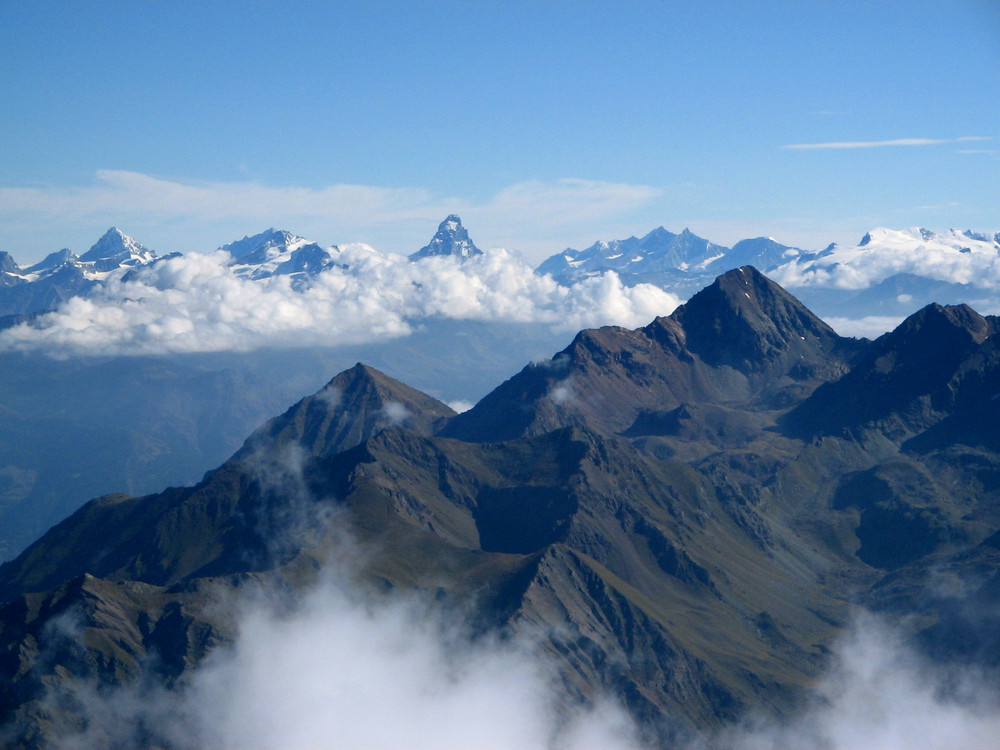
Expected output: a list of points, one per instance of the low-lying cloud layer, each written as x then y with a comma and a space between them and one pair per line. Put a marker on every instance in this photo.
194, 303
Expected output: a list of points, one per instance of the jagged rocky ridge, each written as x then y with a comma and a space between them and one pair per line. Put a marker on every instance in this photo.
687, 511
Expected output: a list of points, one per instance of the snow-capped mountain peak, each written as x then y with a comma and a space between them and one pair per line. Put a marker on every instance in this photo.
451, 239
116, 245
275, 252
7, 264
657, 256
259, 247
53, 260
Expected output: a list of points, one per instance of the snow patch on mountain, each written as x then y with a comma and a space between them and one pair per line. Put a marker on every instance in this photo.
451, 239
961, 257
657, 252
277, 252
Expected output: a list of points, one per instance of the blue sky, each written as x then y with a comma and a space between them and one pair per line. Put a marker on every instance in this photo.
545, 125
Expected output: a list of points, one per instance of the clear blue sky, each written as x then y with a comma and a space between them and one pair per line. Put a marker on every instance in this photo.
544, 124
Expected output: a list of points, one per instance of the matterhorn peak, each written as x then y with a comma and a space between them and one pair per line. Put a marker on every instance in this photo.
451, 238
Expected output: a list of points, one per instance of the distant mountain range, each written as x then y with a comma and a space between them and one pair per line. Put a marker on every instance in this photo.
278, 253
889, 273
61, 275
684, 514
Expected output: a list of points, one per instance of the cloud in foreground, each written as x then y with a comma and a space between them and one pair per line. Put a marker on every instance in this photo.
345, 670
194, 303
880, 695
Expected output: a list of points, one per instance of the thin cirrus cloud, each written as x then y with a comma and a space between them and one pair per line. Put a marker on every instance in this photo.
124, 192
882, 144
118, 197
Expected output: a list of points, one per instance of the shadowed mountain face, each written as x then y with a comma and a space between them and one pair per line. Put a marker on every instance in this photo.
742, 342
351, 408
936, 360
684, 514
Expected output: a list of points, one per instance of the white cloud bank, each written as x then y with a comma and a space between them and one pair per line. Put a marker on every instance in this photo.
388, 677
194, 303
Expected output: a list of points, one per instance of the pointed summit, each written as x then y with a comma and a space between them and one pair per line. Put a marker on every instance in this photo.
354, 406
946, 322
747, 322
117, 246
451, 239
743, 340
276, 252
764, 253
54, 260
906, 376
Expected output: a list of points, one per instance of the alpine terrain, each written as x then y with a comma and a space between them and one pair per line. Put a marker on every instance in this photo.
685, 516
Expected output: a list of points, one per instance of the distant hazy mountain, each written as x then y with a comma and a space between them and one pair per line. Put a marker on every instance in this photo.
61, 275
682, 263
682, 515
274, 253
114, 250
889, 273
895, 272
659, 257
451, 239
